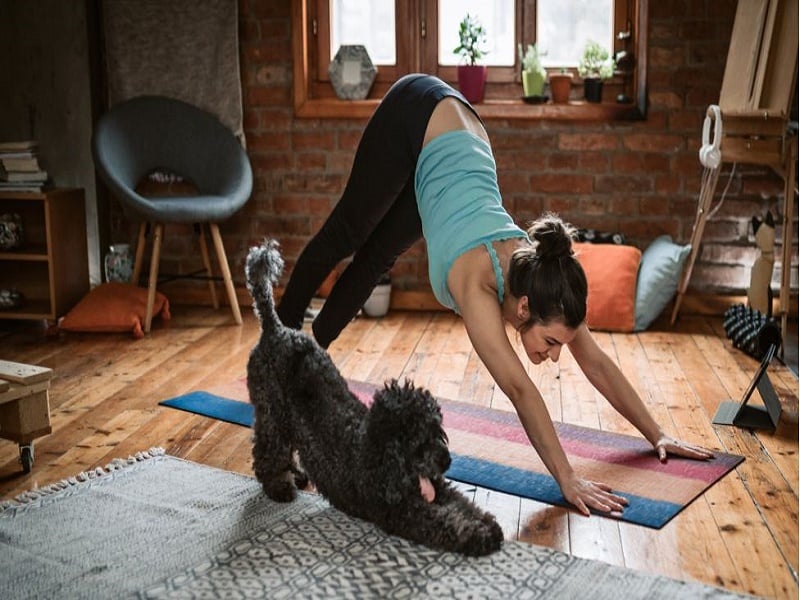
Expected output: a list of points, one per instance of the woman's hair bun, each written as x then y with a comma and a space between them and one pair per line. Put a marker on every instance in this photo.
552, 237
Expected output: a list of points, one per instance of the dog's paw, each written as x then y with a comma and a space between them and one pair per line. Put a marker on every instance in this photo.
482, 537
281, 489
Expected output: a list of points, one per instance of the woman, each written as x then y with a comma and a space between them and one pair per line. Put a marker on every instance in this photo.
424, 167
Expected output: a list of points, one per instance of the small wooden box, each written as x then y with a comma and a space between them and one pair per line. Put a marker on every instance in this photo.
24, 401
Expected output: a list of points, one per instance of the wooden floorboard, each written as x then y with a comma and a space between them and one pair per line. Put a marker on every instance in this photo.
742, 534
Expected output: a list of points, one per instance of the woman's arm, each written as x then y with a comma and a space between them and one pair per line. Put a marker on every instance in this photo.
487, 332
609, 380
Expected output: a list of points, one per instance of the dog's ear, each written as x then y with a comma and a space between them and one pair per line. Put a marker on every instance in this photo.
387, 471
386, 457
391, 481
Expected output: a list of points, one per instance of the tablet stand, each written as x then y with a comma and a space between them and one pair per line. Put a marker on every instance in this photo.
742, 414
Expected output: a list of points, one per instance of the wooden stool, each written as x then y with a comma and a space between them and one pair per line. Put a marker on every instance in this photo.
24, 406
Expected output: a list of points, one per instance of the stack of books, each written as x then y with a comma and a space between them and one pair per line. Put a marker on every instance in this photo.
19, 167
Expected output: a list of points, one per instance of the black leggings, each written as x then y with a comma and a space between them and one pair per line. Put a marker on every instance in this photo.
376, 219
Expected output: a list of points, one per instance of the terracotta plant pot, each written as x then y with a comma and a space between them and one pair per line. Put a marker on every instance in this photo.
560, 86
472, 81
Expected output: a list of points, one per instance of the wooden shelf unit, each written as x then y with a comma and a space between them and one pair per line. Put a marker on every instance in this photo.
51, 268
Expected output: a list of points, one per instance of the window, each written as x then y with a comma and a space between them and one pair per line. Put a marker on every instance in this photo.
497, 18
369, 23
562, 28
406, 36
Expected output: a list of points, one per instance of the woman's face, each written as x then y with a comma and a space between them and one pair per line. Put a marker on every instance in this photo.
540, 341
545, 341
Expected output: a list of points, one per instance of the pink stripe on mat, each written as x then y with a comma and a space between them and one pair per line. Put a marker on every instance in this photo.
646, 483
583, 441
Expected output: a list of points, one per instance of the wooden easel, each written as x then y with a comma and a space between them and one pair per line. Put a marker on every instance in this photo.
757, 90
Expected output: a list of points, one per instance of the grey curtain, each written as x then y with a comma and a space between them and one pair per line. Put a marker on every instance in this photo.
184, 49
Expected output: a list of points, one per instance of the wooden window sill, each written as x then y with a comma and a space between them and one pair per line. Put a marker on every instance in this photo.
333, 108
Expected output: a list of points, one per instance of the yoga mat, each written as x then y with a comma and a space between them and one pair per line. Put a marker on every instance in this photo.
489, 448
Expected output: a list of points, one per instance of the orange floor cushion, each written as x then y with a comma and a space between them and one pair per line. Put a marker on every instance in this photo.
611, 272
114, 306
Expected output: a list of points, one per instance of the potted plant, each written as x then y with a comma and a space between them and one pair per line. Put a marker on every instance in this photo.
560, 86
471, 76
533, 73
595, 65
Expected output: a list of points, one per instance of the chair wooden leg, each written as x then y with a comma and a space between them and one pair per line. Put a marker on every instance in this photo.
158, 233
212, 287
137, 263
226, 272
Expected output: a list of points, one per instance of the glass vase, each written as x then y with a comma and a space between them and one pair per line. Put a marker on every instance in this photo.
118, 263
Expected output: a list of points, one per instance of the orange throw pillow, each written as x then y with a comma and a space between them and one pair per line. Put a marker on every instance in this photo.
611, 272
114, 306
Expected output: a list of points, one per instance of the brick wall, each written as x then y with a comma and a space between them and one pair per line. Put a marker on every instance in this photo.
639, 178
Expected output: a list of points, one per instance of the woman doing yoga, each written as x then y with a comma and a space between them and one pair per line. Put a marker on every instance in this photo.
424, 168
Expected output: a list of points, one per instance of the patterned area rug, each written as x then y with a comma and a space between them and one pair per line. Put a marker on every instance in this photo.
491, 449
156, 526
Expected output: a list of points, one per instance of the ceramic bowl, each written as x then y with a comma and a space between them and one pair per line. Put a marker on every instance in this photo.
10, 231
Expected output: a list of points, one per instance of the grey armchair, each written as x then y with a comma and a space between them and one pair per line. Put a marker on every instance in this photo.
155, 133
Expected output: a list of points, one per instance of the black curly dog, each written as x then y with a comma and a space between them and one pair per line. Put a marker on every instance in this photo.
368, 462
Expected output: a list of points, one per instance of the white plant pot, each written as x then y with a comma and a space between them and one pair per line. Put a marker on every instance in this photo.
377, 305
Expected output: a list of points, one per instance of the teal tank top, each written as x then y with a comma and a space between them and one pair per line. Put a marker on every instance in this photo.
460, 206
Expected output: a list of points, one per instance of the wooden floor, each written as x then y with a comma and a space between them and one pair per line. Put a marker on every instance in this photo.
742, 534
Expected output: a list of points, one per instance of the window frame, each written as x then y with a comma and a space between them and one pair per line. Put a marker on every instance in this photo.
314, 96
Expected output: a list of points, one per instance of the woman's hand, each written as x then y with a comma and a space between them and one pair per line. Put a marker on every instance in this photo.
667, 445
585, 495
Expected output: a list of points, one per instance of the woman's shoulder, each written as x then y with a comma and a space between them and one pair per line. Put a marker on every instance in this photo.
476, 270
472, 271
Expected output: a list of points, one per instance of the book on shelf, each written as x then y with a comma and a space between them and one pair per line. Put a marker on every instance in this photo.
23, 177
22, 154
19, 146
20, 170
24, 187
25, 164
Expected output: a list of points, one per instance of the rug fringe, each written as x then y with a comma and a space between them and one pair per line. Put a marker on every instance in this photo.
115, 465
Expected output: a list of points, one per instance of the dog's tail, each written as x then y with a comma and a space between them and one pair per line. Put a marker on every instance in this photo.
263, 268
